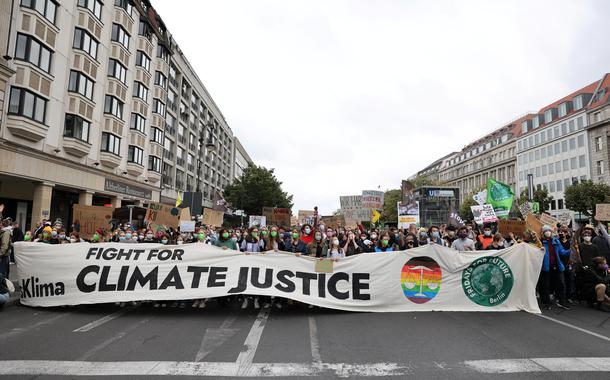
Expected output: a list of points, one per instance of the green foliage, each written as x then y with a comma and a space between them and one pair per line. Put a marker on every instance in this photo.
257, 188
540, 195
465, 211
389, 212
583, 197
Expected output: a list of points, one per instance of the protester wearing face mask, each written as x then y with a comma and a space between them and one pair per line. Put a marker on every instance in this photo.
587, 249
27, 236
374, 237
274, 242
450, 235
497, 243
484, 239
410, 241
224, 240
318, 247
306, 234
602, 241
434, 236
422, 237
552, 277
75, 237
335, 252
163, 238
595, 287
62, 237
463, 242
384, 245
351, 247
252, 242
295, 245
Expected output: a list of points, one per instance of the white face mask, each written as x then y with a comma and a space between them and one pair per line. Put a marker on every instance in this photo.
62, 237
587, 238
373, 236
72, 240
135, 238
234, 238
179, 242
547, 234
307, 231
164, 241
149, 236
335, 241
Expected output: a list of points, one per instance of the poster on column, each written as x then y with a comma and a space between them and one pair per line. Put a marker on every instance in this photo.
87, 219
427, 278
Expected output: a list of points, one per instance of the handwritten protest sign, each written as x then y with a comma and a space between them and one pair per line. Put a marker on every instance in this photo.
506, 226
548, 220
372, 199
525, 209
350, 202
305, 216
187, 226
602, 211
213, 217
333, 221
257, 221
159, 214
90, 218
533, 224
565, 218
281, 217
483, 214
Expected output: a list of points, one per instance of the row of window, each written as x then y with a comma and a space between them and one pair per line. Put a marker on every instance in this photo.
47, 8
94, 6
31, 50
550, 134
84, 41
552, 149
80, 83
555, 168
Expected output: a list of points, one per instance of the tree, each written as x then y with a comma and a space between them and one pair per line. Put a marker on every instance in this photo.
541, 195
582, 197
257, 188
389, 212
465, 211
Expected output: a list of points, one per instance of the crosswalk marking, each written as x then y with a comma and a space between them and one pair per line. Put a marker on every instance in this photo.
244, 360
17, 331
313, 339
101, 321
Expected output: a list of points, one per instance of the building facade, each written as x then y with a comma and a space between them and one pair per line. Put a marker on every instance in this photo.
554, 147
598, 132
242, 159
103, 108
492, 156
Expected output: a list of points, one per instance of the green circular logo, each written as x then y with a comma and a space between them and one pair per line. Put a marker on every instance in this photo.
487, 281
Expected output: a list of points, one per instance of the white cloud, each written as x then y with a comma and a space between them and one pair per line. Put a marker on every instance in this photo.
341, 96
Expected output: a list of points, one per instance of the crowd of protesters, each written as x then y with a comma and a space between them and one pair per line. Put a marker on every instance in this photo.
574, 266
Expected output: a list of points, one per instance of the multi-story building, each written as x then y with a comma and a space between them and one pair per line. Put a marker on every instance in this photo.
432, 171
242, 159
598, 131
492, 156
553, 146
103, 108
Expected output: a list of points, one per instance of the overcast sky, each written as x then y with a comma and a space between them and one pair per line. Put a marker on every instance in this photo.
342, 96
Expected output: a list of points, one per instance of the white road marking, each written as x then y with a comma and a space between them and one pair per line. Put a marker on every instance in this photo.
244, 360
18, 331
540, 365
111, 340
212, 369
101, 321
214, 338
600, 336
313, 339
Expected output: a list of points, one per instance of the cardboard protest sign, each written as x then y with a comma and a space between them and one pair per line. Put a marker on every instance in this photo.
159, 214
213, 217
333, 221
565, 218
90, 218
483, 214
372, 199
268, 214
548, 220
323, 266
602, 211
281, 217
533, 224
358, 214
187, 226
257, 221
506, 226
306, 216
525, 209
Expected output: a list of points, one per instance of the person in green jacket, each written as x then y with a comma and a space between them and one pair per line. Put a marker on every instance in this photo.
224, 240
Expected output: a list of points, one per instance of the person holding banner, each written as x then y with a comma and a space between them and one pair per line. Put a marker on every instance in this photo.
318, 247
463, 242
351, 247
224, 240
306, 234
484, 239
274, 242
497, 243
295, 245
551, 276
434, 236
335, 252
383, 245
252, 243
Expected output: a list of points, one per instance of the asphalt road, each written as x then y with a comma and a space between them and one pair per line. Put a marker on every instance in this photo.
105, 341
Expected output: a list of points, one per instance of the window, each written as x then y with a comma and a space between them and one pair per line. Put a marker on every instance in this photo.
113, 106
535, 122
46, 8
558, 167
549, 150
162, 53
77, 127
120, 35
548, 115
571, 125
579, 122
564, 146
549, 134
566, 165
572, 143
582, 161
556, 131
524, 127
125, 4
543, 153
553, 207
85, 42
140, 91
551, 169
600, 167
559, 184
567, 183
144, 29
538, 171
581, 141
117, 70
557, 148
573, 163
135, 155
597, 117
563, 109
552, 186
154, 164
544, 170
27, 104
81, 84
537, 154
578, 103
30, 50
156, 135
536, 139
95, 6
599, 145
138, 122
564, 129
160, 79
158, 107
142, 60
560, 204
111, 143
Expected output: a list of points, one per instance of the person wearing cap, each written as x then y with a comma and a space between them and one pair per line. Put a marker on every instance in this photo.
46, 235
586, 249
5, 246
551, 276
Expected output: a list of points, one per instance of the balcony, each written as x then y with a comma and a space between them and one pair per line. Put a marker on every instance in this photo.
110, 160
26, 128
135, 169
76, 147
153, 177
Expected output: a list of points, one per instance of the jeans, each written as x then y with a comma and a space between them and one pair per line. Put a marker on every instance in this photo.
552, 281
4, 298
5, 265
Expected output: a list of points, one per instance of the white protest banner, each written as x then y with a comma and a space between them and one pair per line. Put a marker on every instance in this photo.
481, 197
407, 214
426, 278
372, 199
257, 221
483, 214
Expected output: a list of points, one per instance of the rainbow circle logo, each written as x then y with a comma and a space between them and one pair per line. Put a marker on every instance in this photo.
421, 279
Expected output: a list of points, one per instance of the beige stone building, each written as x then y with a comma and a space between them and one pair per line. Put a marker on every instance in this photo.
598, 130
101, 106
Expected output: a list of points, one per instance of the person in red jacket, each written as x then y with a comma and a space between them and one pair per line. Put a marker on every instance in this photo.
307, 234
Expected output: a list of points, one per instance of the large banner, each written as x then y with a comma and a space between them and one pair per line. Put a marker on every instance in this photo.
427, 278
